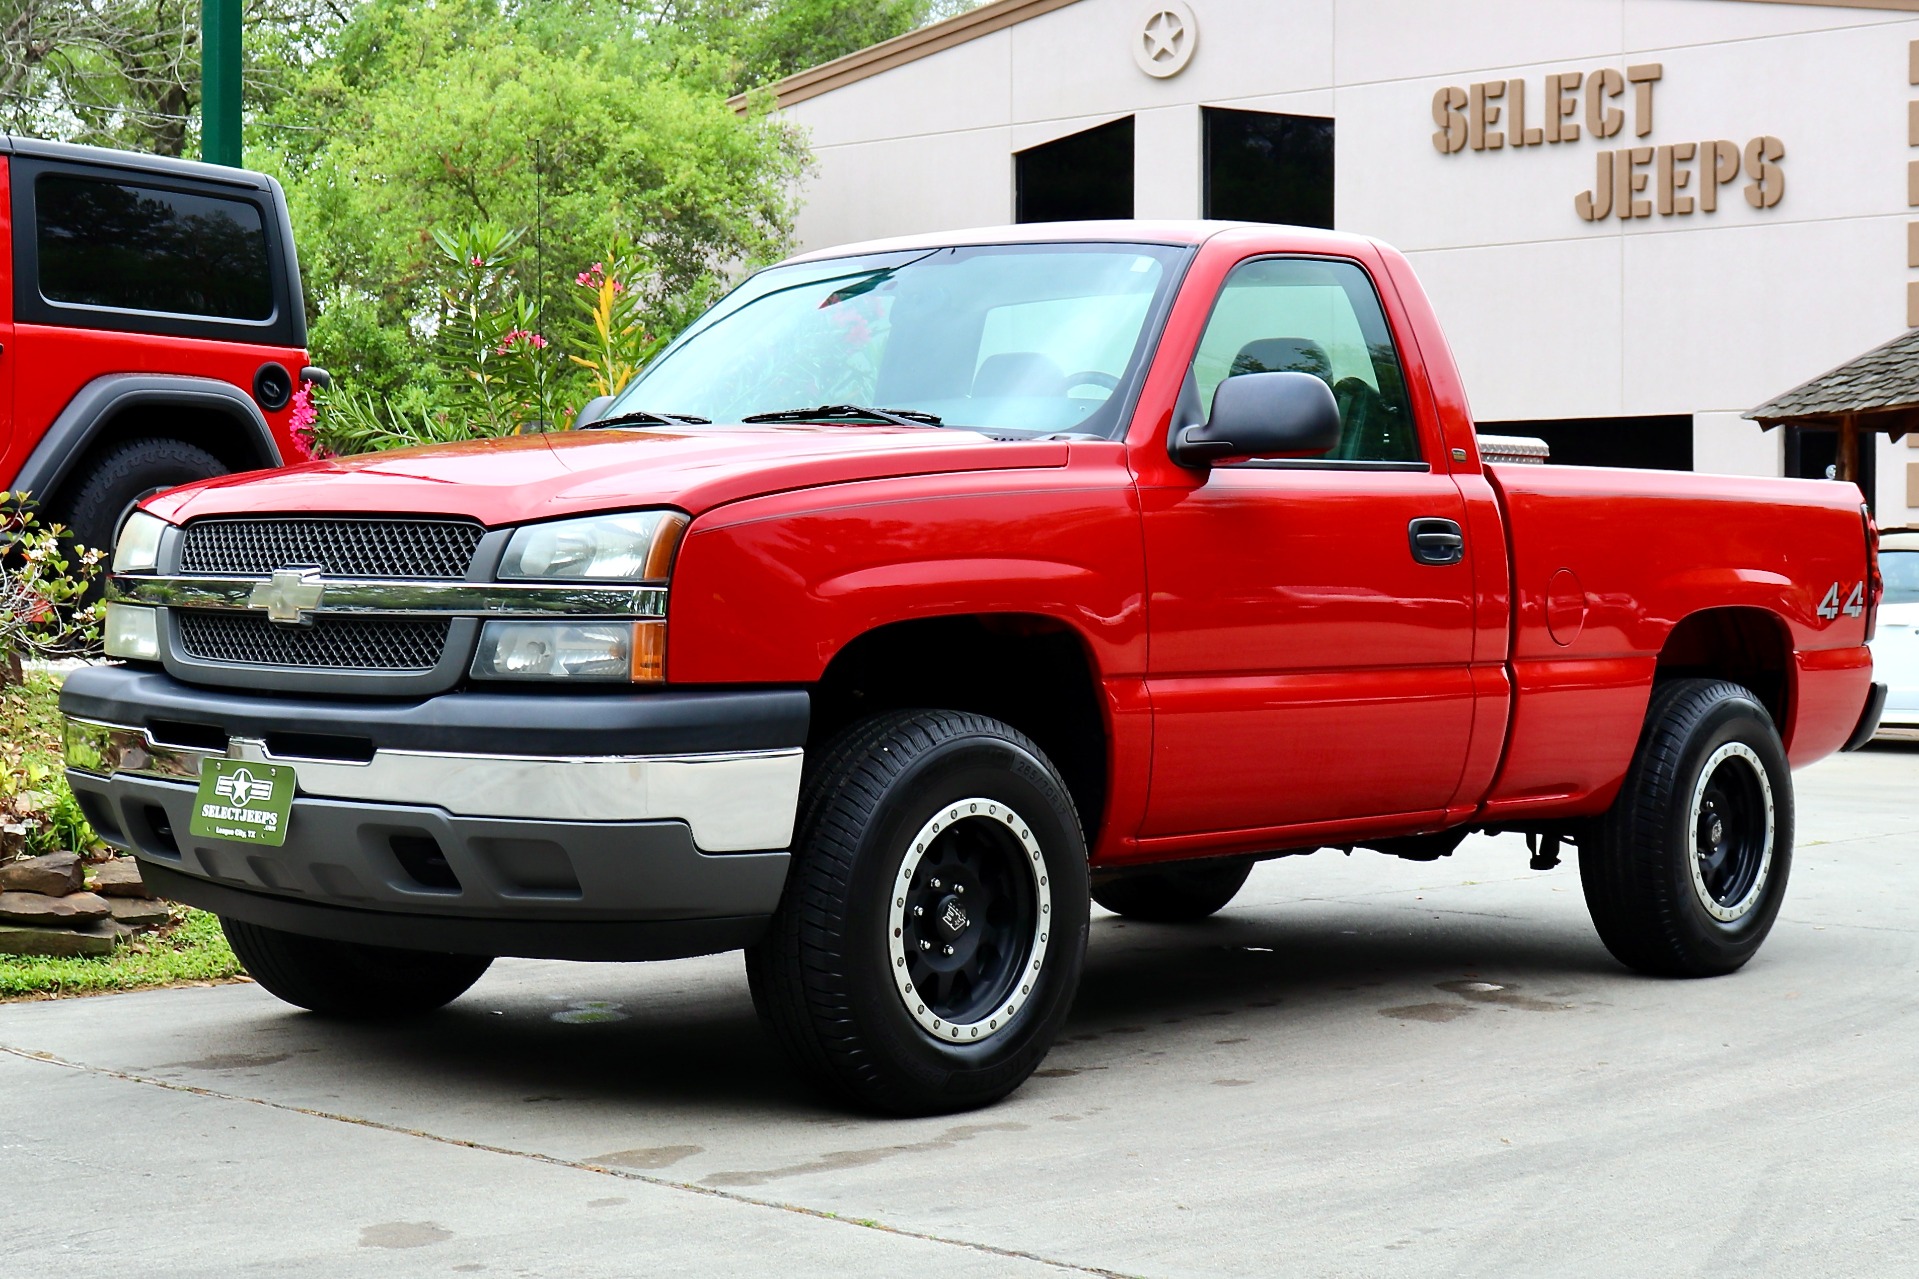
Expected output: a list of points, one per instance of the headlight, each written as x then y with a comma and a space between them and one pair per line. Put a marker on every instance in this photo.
133, 632
138, 548
611, 652
633, 547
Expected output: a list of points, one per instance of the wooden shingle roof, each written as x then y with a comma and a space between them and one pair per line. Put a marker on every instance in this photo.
1883, 380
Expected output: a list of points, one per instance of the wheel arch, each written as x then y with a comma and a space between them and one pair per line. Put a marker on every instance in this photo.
1750, 646
205, 412
1031, 671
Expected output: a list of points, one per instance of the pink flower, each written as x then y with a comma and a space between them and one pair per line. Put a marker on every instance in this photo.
516, 336
300, 422
583, 278
478, 260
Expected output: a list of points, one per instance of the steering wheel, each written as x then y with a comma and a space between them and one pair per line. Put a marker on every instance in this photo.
1090, 377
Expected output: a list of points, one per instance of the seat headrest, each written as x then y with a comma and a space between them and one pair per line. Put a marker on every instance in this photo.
1283, 355
1018, 373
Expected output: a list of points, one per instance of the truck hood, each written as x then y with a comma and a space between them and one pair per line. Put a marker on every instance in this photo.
534, 477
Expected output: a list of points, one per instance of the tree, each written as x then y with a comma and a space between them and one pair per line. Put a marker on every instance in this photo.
767, 40
126, 73
560, 121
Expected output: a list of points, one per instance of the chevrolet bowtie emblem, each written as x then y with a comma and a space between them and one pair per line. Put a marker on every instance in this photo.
290, 595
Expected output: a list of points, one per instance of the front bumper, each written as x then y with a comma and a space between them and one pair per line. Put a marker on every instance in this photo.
623, 826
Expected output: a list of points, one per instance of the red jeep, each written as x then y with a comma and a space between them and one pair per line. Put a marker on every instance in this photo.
923, 593
152, 333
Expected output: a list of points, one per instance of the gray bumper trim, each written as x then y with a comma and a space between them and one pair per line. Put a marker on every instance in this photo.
408, 860
589, 939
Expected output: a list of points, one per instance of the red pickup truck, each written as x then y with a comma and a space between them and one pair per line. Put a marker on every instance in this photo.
925, 592
151, 328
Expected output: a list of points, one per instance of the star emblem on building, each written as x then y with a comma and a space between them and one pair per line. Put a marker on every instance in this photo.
1163, 34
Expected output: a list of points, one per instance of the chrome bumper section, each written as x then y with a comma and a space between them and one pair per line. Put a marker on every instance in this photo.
733, 801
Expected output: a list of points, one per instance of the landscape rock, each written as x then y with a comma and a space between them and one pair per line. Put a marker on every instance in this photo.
120, 878
139, 913
55, 874
38, 908
19, 939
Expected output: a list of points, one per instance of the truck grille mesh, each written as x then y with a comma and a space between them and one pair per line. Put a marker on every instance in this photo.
340, 547
338, 643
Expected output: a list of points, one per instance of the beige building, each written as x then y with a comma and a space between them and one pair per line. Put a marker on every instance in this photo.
1638, 218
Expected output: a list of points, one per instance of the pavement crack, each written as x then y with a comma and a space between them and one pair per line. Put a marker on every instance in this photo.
555, 1161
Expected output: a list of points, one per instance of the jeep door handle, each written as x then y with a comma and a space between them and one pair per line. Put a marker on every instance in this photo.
1436, 541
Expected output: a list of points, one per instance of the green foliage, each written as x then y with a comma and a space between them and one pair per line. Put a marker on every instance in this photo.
37, 810
43, 582
447, 117
191, 949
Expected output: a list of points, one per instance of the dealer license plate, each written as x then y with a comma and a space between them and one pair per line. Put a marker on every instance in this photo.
242, 801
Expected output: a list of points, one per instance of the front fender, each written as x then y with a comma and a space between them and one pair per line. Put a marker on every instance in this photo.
769, 590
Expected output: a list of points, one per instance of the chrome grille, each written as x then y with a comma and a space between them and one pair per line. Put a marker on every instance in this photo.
340, 547
338, 643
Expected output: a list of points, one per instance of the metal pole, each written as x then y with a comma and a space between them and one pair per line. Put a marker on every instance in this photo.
220, 82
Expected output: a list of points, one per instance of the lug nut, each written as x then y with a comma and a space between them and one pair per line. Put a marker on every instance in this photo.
933, 882
925, 945
959, 888
949, 950
918, 911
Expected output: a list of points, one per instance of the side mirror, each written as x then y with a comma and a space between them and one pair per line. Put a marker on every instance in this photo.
590, 412
1262, 415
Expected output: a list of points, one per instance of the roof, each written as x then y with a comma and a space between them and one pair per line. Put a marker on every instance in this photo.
996, 15
1883, 380
138, 161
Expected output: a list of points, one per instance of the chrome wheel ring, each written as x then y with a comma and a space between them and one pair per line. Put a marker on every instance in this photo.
1730, 827
964, 957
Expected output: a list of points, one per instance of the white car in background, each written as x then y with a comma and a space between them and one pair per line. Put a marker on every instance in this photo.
1895, 646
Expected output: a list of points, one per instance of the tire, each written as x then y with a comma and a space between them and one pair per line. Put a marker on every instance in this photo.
101, 498
912, 809
1172, 894
344, 979
1687, 870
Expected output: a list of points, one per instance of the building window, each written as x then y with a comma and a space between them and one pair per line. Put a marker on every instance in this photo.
1813, 454
1656, 443
1083, 175
1262, 167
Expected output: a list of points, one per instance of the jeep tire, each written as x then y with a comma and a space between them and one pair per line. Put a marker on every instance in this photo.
98, 501
929, 943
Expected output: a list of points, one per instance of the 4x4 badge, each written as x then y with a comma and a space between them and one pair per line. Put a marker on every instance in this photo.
289, 595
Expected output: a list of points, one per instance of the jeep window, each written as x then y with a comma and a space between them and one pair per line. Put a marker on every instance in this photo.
136, 248
1010, 339
1901, 571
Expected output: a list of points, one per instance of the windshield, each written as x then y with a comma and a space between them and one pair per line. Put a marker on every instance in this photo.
1013, 339
1901, 571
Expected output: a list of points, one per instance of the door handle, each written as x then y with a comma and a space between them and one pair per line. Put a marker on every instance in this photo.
1436, 541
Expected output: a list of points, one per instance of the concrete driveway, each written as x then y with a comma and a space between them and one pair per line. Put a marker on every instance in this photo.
1363, 1067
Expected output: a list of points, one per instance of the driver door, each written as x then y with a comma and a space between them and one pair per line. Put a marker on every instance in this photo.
1307, 665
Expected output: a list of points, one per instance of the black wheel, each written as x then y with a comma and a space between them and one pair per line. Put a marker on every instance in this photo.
100, 498
1172, 894
1689, 866
928, 946
344, 979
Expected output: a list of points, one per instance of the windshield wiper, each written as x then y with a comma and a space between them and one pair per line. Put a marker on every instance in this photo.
640, 417
840, 412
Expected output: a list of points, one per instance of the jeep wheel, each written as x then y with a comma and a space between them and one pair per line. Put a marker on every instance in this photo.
345, 979
100, 500
929, 942
1172, 894
1689, 866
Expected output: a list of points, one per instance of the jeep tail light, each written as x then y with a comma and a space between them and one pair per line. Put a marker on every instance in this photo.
1875, 580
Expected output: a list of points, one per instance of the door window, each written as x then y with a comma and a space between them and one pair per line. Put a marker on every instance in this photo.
1278, 315
136, 248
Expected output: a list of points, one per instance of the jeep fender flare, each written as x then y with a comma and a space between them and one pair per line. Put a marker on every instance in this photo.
81, 423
